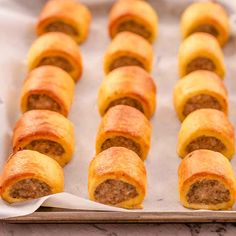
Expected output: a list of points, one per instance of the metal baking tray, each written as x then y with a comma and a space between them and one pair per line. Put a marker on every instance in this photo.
58, 215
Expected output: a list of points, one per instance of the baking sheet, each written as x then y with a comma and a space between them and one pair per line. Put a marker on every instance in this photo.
17, 19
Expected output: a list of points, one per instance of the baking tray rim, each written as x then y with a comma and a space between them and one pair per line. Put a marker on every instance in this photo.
57, 215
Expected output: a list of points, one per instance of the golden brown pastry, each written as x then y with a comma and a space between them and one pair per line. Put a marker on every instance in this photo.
206, 129
47, 88
30, 174
129, 85
206, 181
47, 132
128, 49
136, 16
117, 177
66, 16
56, 49
206, 17
199, 89
124, 126
201, 51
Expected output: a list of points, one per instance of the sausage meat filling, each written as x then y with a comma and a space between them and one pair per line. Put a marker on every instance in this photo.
205, 142
134, 27
29, 189
208, 191
42, 102
56, 61
120, 141
210, 29
112, 192
201, 101
59, 26
47, 147
200, 63
126, 101
125, 61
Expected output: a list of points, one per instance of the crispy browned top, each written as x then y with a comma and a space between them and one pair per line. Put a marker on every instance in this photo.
127, 120
121, 162
125, 41
65, 9
28, 164
135, 75
50, 81
38, 123
205, 162
134, 10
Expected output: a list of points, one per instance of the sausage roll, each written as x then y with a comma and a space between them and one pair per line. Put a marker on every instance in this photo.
48, 88
201, 51
66, 16
56, 49
130, 85
47, 132
200, 89
206, 17
206, 129
128, 49
117, 177
124, 126
206, 181
30, 174
136, 16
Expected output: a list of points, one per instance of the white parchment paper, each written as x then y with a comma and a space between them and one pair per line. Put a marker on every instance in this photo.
17, 19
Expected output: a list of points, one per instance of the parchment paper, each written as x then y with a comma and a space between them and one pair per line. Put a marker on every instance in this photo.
17, 19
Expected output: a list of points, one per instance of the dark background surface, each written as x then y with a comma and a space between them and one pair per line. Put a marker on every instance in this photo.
117, 229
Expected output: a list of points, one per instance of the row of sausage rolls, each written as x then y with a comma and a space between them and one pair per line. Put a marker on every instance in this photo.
133, 26
43, 143
43, 138
124, 133
117, 175
201, 60
204, 27
206, 137
61, 25
126, 102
